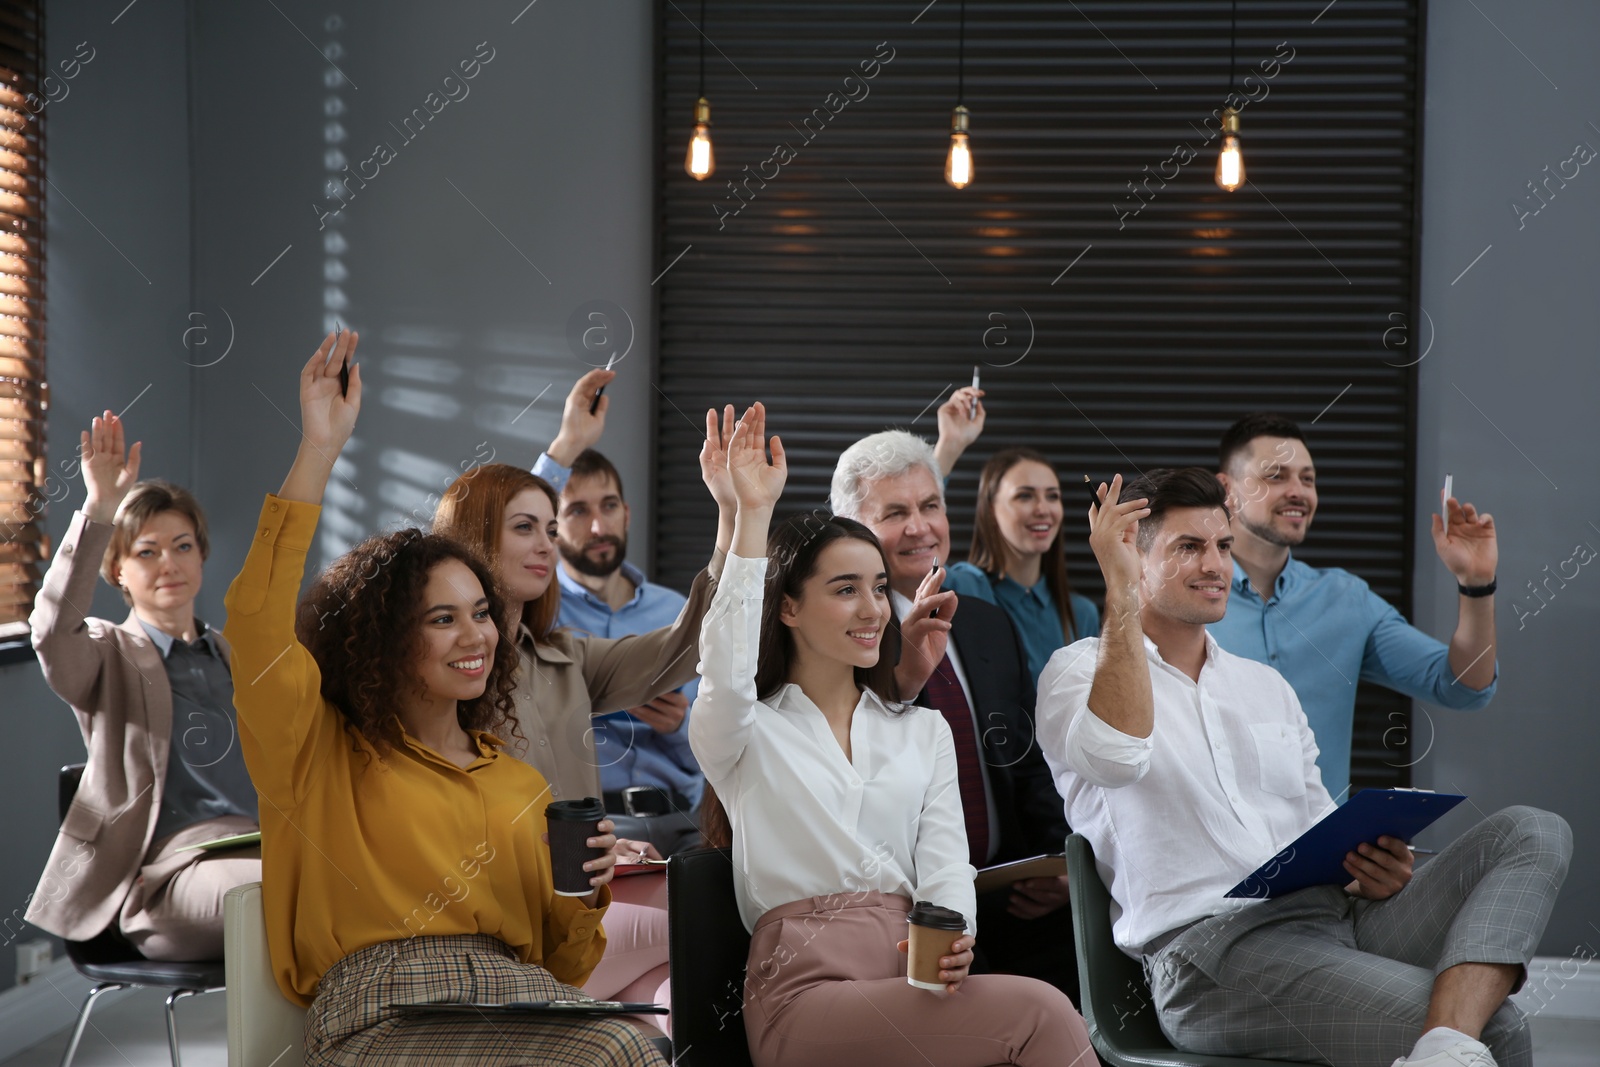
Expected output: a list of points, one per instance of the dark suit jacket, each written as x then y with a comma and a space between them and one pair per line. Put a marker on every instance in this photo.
1031, 814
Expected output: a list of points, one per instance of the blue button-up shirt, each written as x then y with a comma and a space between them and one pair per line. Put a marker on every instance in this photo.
630, 751
1032, 609
1324, 629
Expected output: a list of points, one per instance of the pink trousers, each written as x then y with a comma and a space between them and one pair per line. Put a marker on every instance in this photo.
635, 964
826, 985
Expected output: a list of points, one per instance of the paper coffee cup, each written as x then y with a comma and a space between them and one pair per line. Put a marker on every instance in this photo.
570, 824
931, 931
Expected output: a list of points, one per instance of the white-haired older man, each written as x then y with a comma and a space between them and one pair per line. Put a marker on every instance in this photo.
968, 664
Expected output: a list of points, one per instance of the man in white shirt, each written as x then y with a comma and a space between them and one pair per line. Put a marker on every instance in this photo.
1187, 767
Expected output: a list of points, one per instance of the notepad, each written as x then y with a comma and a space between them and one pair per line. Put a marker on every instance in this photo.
1049, 865
231, 841
549, 1009
1316, 857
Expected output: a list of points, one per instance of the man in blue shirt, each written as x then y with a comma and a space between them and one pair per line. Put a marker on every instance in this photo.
1324, 628
604, 596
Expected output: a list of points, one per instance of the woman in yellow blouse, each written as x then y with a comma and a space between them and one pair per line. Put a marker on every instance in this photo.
401, 856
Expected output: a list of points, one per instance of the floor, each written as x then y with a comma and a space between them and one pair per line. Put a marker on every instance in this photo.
132, 1034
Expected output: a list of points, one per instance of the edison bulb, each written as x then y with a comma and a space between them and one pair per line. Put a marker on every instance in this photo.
1230, 164
958, 163
699, 161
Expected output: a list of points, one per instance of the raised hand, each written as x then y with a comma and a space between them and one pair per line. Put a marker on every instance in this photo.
327, 412
957, 431
579, 429
924, 634
1113, 526
1466, 543
757, 483
714, 458
109, 469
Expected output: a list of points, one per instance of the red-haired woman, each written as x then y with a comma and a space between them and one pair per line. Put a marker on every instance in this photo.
564, 678
401, 849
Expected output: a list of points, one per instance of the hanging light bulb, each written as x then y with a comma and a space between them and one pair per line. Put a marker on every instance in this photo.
1230, 161
698, 161
958, 164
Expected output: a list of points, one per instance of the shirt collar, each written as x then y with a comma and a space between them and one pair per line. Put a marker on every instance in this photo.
571, 585
1213, 651
546, 650
1293, 571
790, 697
164, 641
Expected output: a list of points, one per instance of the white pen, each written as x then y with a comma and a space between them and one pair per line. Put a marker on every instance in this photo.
1449, 486
972, 411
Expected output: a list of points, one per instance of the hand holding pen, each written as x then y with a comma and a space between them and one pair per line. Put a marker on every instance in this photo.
583, 417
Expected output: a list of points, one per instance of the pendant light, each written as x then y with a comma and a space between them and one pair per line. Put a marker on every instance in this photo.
699, 161
1230, 161
958, 164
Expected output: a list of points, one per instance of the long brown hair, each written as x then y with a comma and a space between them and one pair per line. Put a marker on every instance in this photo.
473, 511
792, 552
362, 623
991, 554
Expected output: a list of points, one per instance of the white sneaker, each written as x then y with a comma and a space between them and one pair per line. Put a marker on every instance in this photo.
1466, 1053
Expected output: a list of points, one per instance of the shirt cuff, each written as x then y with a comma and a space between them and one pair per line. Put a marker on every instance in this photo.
288, 523
1101, 740
744, 577
551, 471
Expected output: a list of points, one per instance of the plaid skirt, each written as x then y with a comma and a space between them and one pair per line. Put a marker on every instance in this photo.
350, 1022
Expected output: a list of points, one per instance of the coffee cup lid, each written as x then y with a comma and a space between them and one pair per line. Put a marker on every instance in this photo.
935, 917
589, 809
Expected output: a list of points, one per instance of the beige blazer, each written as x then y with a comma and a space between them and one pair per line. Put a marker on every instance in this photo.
566, 678
117, 685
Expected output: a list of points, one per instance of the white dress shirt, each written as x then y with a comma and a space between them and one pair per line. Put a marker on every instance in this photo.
1227, 778
807, 821
902, 608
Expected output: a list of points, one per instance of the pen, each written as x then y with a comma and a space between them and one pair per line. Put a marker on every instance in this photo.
594, 405
344, 368
972, 410
1094, 495
934, 614
1422, 851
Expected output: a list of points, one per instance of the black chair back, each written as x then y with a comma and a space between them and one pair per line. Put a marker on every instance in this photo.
708, 945
108, 947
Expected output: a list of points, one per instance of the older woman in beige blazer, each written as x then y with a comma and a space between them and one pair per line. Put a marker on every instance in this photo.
164, 768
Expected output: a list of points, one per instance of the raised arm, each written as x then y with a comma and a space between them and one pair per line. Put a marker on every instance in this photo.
327, 417
71, 654
734, 461
960, 424
1467, 544
277, 688
581, 429
1121, 695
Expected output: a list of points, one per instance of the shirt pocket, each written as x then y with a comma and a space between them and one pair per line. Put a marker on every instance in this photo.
1280, 758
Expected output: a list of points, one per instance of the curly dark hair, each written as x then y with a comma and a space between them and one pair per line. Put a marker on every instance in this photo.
361, 621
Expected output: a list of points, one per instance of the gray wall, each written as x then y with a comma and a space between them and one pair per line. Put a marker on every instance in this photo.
552, 142
1508, 405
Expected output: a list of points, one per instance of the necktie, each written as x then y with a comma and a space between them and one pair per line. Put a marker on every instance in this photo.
944, 694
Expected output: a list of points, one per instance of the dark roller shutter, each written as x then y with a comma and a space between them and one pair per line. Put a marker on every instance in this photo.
24, 488
849, 286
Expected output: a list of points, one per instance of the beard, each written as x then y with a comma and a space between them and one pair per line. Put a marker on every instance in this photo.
579, 559
1272, 536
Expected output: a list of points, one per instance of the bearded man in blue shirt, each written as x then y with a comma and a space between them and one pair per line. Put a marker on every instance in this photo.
646, 767
1324, 628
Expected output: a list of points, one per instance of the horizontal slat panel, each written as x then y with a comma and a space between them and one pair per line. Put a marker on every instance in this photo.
850, 285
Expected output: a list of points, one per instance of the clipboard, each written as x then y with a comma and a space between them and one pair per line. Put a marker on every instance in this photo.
1049, 865
1316, 857
220, 843
532, 1009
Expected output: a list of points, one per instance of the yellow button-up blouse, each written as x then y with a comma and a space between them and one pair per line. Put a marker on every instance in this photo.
357, 850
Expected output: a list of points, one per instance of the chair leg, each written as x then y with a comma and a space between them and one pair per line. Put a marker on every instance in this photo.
83, 1018
172, 1019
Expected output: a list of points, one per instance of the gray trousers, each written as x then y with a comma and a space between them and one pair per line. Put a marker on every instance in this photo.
1324, 977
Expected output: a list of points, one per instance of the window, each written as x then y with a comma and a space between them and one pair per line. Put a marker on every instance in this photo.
25, 489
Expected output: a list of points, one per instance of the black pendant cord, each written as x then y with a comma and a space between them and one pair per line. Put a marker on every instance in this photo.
702, 28
961, 58
1233, 42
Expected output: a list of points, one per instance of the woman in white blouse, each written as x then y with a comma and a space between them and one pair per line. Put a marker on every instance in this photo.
841, 803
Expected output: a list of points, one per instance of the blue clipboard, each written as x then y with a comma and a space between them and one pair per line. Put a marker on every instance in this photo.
1316, 857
